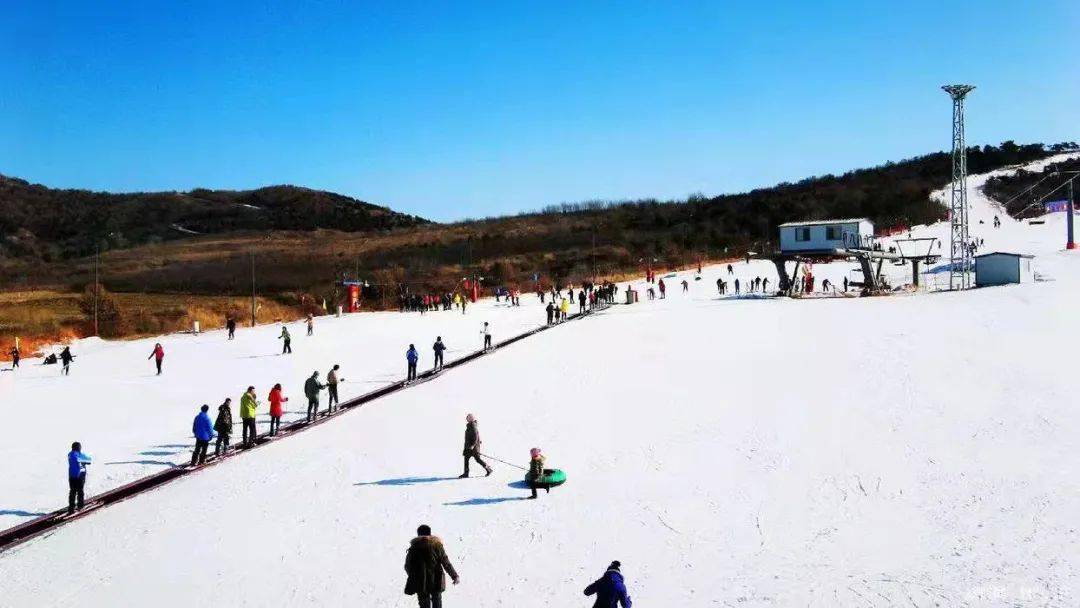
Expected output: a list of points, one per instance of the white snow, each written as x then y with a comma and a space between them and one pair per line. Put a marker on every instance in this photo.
913, 450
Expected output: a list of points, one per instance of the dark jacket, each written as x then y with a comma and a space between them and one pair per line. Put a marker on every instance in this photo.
472, 439
425, 562
223, 424
610, 591
312, 388
438, 347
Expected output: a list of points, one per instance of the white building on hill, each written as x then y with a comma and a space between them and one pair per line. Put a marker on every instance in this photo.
826, 236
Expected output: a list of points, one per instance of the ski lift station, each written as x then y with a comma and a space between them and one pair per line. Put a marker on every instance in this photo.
999, 268
825, 236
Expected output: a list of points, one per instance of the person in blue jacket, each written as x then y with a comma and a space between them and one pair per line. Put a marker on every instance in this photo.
203, 429
77, 462
609, 589
412, 357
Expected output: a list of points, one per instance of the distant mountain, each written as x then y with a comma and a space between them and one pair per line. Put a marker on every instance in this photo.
42, 223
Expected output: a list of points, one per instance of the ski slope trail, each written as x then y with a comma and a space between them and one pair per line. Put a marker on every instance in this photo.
728, 452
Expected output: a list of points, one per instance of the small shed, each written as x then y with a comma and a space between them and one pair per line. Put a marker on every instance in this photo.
1000, 268
826, 236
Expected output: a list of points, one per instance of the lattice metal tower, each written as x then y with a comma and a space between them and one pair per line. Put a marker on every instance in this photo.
961, 259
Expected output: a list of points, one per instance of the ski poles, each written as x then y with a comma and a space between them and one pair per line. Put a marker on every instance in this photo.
504, 462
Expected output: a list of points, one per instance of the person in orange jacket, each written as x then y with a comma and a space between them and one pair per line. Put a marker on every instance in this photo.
276, 399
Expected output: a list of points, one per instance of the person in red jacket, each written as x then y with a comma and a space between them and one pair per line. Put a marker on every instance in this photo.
158, 356
663, 289
276, 399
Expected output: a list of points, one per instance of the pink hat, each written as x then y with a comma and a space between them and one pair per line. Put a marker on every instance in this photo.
470, 418
534, 452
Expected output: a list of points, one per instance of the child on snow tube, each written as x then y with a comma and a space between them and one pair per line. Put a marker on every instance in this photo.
536, 472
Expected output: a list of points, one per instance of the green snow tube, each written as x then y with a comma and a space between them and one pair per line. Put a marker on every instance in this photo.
550, 479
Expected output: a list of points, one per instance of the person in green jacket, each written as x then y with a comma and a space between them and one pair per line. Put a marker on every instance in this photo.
248, 405
311, 389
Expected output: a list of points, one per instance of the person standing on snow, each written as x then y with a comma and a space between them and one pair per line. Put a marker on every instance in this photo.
609, 589
551, 312
439, 349
685, 286
203, 430
230, 326
312, 386
14, 357
248, 406
158, 356
310, 325
286, 347
77, 462
581, 301
276, 410
730, 271
564, 308
736, 286
485, 331
472, 446
66, 358
331, 387
425, 563
663, 289
536, 471
411, 357
223, 426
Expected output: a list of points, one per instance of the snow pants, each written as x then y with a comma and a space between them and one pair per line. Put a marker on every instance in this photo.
429, 600
75, 492
199, 455
312, 409
275, 424
487, 341
332, 389
248, 430
438, 360
287, 347
222, 444
412, 371
158, 362
474, 454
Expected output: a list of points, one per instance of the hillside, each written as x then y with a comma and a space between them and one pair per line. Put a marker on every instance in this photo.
40, 223
1022, 189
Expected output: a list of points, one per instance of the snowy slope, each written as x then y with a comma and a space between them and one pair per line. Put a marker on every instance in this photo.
916, 451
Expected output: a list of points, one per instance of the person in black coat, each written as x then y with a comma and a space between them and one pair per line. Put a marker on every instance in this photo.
472, 446
425, 562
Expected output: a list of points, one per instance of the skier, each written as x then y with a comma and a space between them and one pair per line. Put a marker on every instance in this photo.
77, 462
565, 308
276, 410
439, 349
685, 286
845, 284
663, 289
464, 303
581, 301
736, 286
14, 357
472, 446
536, 471
158, 356
486, 333
230, 325
425, 562
204, 432
223, 426
312, 386
412, 357
66, 358
765, 284
730, 271
310, 325
331, 387
551, 312
248, 406
287, 345
610, 590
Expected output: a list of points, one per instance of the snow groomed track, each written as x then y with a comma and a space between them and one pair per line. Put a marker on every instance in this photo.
44, 524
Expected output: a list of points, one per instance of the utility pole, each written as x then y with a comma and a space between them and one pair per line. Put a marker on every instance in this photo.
961, 261
97, 265
253, 287
1070, 243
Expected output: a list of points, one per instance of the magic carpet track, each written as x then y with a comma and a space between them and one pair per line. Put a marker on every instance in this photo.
49, 522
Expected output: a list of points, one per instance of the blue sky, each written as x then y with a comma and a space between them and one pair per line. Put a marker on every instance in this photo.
452, 110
